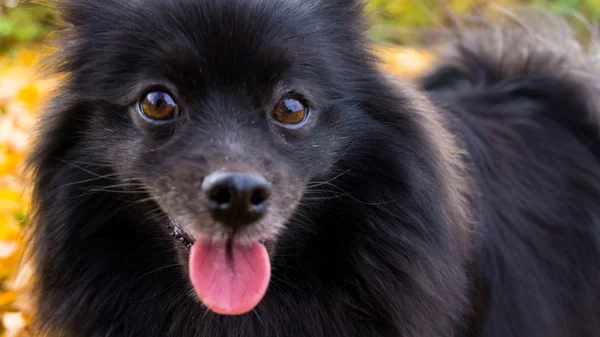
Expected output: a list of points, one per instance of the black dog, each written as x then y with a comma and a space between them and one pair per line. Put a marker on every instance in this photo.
310, 195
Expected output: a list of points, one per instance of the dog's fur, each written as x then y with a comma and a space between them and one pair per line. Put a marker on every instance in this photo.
467, 207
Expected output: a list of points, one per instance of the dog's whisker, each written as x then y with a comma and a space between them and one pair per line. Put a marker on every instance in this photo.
157, 270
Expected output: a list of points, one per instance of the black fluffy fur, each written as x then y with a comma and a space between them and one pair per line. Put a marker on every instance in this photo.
467, 207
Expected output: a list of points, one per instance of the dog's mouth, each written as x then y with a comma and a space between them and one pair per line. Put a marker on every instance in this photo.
229, 265
229, 277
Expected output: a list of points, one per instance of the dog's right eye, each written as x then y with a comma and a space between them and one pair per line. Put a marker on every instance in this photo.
159, 106
290, 111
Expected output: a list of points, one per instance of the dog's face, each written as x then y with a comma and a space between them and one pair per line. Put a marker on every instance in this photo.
186, 89
223, 110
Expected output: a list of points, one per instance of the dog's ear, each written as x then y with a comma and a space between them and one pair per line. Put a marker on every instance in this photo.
82, 12
75, 12
351, 12
354, 6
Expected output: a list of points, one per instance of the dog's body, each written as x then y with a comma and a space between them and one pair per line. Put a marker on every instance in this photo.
467, 208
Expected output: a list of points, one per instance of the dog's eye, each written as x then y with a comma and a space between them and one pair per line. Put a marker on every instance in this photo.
159, 105
290, 111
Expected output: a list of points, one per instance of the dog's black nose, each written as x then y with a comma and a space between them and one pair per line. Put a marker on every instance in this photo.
236, 198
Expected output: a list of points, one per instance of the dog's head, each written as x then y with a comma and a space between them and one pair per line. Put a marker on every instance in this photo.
224, 111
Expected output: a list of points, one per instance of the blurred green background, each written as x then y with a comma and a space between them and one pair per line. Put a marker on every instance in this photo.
23, 22
400, 21
393, 20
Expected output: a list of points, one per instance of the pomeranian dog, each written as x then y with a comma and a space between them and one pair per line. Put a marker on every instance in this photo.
245, 168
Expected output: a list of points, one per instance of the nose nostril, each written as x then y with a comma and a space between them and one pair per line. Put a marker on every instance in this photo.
236, 199
221, 195
259, 196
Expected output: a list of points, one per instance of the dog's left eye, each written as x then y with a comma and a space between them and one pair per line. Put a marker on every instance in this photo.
290, 111
158, 105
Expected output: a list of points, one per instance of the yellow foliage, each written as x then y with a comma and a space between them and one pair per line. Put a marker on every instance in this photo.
29, 94
21, 94
405, 62
28, 57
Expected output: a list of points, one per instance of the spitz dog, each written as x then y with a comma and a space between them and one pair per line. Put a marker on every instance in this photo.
308, 193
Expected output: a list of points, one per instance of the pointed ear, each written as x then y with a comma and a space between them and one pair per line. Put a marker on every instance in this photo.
75, 12
351, 11
82, 12
356, 6
345, 3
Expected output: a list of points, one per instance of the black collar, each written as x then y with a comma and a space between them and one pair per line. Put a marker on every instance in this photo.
180, 234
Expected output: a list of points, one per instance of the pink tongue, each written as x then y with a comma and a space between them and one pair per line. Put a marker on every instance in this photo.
229, 283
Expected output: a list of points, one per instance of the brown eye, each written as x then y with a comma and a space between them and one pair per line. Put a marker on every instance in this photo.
159, 105
290, 111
